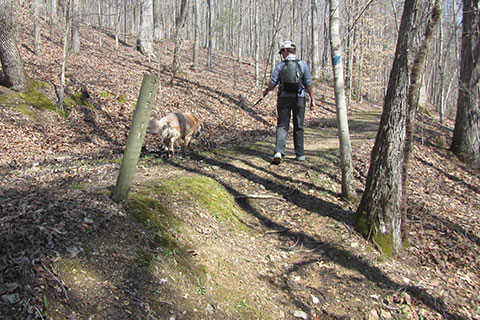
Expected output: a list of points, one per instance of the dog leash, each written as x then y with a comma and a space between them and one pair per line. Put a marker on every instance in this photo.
259, 100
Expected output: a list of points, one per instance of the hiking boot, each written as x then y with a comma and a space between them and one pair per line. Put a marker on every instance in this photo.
277, 158
300, 158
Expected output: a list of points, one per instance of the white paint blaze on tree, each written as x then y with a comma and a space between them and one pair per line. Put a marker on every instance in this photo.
379, 216
339, 86
466, 136
145, 33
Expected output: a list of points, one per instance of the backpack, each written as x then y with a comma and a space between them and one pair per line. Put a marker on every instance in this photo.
291, 76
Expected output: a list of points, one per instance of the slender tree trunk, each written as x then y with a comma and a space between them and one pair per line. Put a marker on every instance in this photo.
177, 36
196, 32
145, 34
100, 26
75, 26
342, 121
314, 36
416, 84
210, 39
118, 18
65, 55
466, 136
37, 31
441, 71
257, 44
239, 35
125, 21
379, 216
12, 64
53, 11
157, 21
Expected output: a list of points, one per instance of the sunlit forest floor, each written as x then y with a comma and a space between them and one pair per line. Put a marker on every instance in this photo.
219, 233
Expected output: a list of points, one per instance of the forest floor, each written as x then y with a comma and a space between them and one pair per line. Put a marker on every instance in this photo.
220, 233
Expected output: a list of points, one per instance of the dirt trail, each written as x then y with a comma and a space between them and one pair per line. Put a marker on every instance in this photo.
294, 255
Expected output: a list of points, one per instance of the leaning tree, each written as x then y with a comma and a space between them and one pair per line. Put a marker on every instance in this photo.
379, 215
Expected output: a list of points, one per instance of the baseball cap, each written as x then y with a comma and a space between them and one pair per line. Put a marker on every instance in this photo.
287, 45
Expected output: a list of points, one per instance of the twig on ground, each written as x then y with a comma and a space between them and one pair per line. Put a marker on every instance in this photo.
276, 231
294, 245
56, 279
39, 313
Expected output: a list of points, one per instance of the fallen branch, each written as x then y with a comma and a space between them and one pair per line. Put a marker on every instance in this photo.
56, 279
259, 196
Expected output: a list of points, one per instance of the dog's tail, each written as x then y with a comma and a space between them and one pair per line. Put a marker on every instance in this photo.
156, 126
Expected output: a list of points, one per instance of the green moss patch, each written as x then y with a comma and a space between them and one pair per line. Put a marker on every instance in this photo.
203, 190
37, 99
77, 99
152, 213
382, 241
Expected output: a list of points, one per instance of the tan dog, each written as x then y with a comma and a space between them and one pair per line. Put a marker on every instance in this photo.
174, 127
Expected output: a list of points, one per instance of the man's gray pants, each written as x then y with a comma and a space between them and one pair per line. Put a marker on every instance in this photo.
285, 108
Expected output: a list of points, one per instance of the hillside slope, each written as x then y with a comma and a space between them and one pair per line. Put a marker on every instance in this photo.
220, 234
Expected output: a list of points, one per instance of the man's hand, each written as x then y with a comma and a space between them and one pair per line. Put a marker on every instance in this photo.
312, 103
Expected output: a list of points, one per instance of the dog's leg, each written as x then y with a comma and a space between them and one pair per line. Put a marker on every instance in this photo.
186, 143
172, 146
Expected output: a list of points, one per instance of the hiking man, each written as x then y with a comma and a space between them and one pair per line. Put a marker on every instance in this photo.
295, 81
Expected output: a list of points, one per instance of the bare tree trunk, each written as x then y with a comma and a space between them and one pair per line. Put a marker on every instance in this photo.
257, 45
145, 34
466, 136
75, 26
441, 71
12, 64
177, 36
239, 36
37, 31
379, 216
65, 55
413, 102
196, 39
53, 11
118, 17
314, 42
157, 22
343, 131
100, 26
210, 39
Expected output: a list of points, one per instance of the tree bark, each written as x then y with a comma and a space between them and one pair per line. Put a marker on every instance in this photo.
12, 64
145, 34
37, 28
210, 36
379, 216
466, 135
157, 22
177, 36
314, 38
418, 69
53, 11
75, 26
196, 32
65, 55
256, 44
339, 86
100, 26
